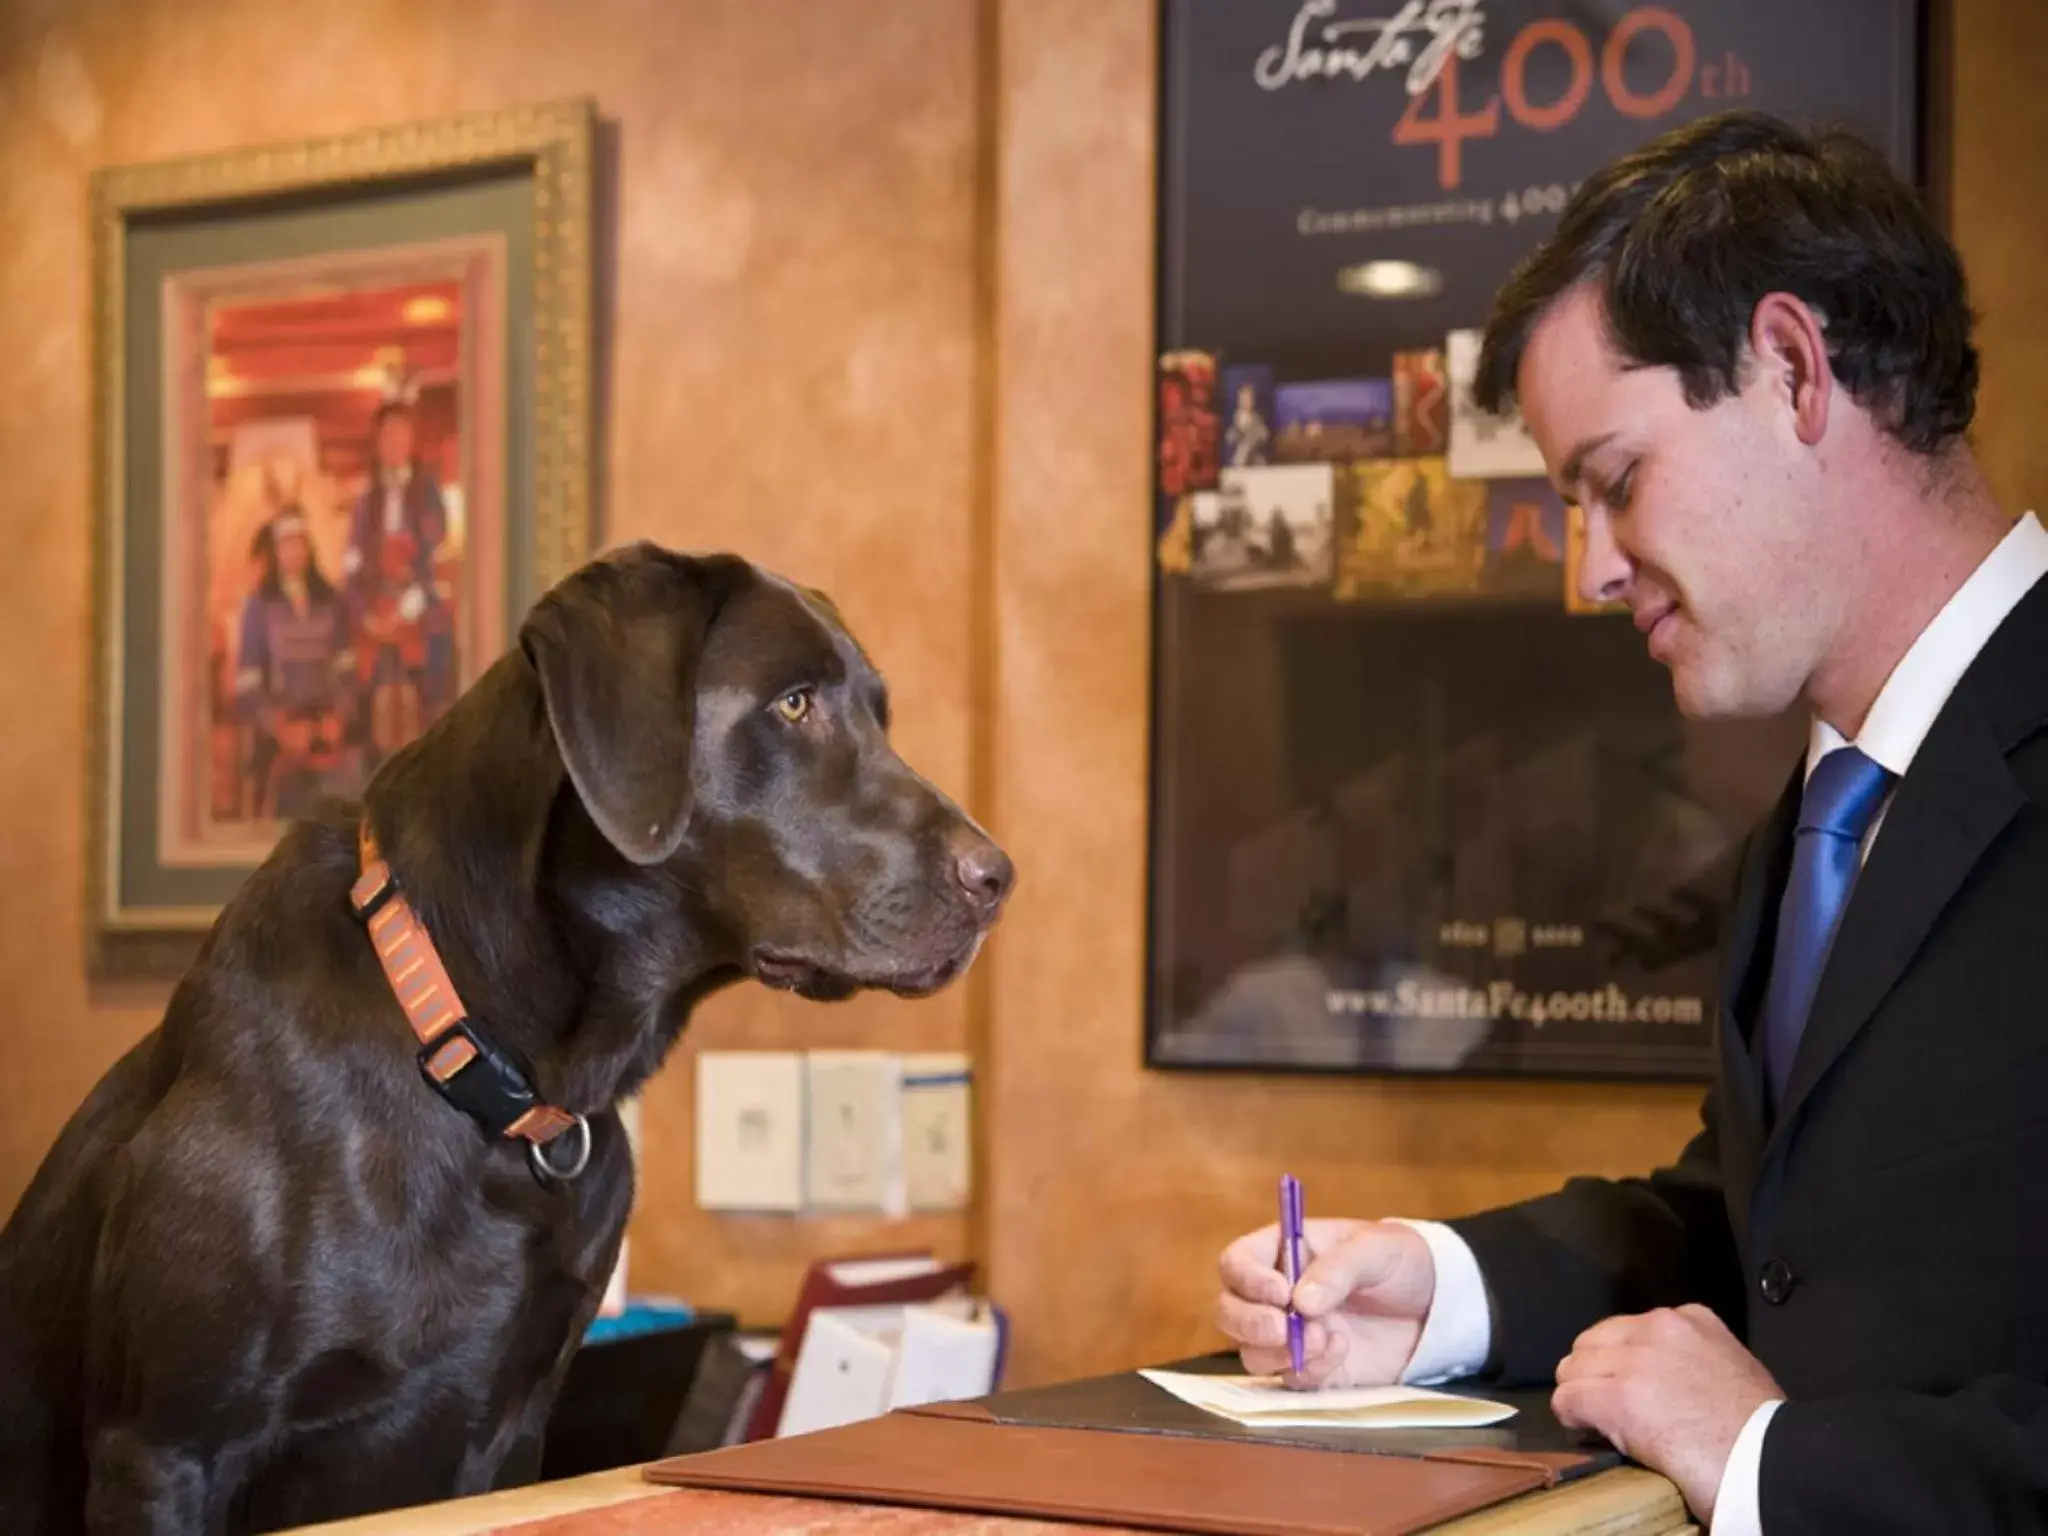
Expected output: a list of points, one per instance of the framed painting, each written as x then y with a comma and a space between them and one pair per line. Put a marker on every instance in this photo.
342, 403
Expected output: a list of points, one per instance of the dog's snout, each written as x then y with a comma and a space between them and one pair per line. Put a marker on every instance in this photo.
983, 870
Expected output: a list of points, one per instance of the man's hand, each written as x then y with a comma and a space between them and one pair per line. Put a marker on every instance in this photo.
1672, 1389
1363, 1297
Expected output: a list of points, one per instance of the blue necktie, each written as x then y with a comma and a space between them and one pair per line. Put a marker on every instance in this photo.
1842, 795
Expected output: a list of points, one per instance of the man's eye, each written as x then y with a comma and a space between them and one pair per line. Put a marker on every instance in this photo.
794, 705
1618, 494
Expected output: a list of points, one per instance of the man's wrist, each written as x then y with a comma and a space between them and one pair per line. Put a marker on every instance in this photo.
1457, 1333
1737, 1506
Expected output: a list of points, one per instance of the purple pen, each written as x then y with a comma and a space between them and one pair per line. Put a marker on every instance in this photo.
1290, 1260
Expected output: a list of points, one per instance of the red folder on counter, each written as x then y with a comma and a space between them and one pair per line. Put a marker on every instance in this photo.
872, 1280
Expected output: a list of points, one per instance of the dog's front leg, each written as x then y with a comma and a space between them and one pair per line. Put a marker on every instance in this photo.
140, 1485
589, 1234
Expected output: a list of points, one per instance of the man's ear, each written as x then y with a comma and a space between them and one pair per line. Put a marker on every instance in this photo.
616, 646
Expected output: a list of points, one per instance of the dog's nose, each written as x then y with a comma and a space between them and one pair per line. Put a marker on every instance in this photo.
984, 873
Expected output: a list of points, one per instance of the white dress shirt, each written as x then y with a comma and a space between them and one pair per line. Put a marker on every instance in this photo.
1458, 1333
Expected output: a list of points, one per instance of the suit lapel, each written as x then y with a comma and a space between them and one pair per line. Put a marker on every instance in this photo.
1946, 813
1764, 867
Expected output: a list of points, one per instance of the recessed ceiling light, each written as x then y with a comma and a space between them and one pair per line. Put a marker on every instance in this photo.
1391, 280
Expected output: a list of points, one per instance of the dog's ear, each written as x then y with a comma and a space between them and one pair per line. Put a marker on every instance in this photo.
616, 647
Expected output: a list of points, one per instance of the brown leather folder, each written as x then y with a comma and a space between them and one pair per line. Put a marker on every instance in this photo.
959, 1457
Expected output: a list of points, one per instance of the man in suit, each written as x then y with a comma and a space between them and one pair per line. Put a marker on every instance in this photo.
1746, 354
398, 618
400, 497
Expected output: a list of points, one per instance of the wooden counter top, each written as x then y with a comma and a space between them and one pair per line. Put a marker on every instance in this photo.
1624, 1502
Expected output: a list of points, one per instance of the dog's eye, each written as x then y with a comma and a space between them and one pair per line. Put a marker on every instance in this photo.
794, 705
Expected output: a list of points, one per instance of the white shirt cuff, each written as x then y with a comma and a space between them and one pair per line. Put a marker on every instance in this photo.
1735, 1503
1458, 1333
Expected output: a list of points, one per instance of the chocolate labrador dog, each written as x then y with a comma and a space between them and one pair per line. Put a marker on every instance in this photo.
288, 1262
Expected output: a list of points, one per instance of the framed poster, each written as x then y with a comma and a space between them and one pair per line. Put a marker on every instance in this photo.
342, 427
1414, 809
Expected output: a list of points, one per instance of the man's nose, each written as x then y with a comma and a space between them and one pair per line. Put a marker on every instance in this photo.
1606, 571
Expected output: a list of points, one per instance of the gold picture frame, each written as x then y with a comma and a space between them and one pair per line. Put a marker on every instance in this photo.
257, 317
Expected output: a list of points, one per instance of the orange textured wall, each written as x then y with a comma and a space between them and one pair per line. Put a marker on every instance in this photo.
792, 336
1999, 198
880, 316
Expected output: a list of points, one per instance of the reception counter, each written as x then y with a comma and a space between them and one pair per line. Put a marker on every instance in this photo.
1625, 1501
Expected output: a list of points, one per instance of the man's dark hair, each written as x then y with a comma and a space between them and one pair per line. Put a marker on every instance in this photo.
1685, 235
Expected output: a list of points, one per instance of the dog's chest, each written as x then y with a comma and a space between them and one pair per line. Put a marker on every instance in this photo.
472, 1289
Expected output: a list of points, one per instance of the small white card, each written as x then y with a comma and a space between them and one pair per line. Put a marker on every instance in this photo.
942, 1356
843, 1368
1260, 1402
859, 1362
750, 1131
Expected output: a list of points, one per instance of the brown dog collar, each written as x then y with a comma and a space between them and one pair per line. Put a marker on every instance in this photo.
455, 1056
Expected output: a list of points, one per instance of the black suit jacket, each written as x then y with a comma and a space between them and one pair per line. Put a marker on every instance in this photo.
1882, 1244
